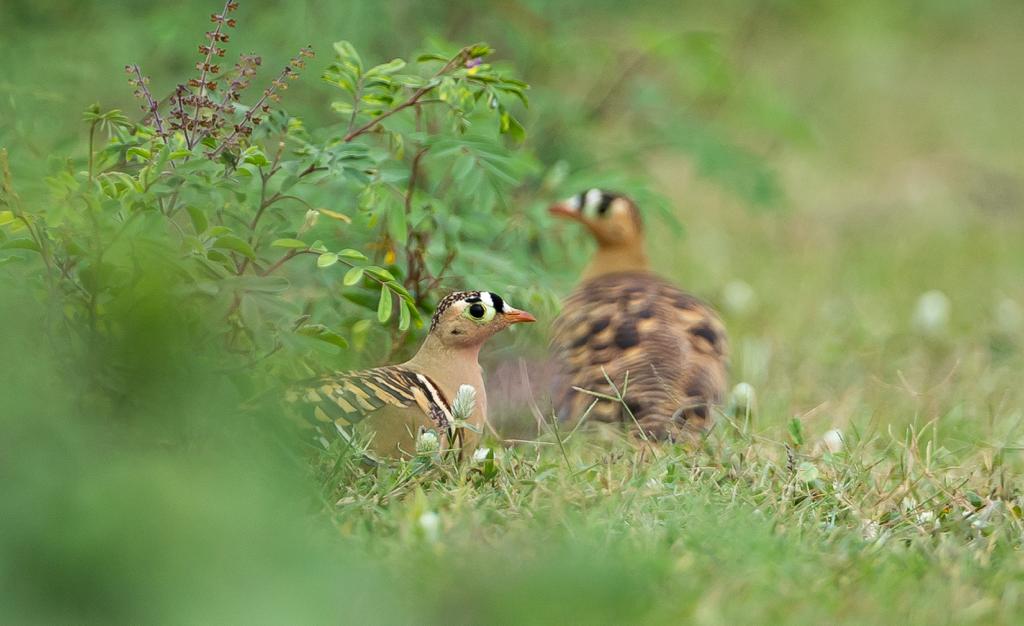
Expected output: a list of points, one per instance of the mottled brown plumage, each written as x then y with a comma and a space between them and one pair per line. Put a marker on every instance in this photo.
392, 403
622, 318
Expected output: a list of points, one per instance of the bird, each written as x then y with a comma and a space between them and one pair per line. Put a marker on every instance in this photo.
627, 333
392, 405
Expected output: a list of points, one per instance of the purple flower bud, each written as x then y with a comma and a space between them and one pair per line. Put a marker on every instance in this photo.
475, 61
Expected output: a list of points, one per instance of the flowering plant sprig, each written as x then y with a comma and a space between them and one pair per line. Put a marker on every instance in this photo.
194, 113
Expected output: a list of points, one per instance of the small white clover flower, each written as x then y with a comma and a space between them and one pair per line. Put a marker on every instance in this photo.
427, 443
465, 402
833, 440
743, 399
738, 297
931, 314
430, 524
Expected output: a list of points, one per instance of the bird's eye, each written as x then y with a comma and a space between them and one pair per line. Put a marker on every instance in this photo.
477, 310
605, 204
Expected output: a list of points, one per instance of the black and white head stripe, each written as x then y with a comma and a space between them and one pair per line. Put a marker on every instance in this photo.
593, 202
487, 298
491, 299
596, 203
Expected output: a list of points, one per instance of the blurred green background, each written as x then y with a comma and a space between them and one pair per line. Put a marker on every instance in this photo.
831, 163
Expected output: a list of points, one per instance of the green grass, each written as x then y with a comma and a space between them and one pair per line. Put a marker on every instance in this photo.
897, 148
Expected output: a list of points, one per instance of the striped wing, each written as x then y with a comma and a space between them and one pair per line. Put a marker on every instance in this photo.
346, 398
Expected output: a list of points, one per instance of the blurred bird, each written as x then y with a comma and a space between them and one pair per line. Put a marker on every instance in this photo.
623, 320
397, 402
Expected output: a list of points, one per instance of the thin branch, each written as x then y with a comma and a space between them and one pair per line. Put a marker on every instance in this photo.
413, 178
291, 254
454, 62
143, 90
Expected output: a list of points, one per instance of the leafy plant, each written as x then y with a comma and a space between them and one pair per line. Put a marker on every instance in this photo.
245, 214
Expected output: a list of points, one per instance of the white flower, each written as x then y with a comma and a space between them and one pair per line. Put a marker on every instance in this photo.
465, 402
931, 315
871, 530
833, 440
738, 297
743, 399
430, 524
427, 443
1009, 316
480, 455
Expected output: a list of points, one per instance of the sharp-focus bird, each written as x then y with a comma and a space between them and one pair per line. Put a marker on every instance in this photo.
392, 403
622, 318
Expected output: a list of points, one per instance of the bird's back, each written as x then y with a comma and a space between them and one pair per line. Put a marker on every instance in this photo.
672, 345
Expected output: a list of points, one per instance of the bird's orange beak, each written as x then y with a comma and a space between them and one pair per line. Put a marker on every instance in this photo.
515, 316
563, 209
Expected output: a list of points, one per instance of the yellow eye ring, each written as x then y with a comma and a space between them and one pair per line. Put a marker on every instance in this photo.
479, 312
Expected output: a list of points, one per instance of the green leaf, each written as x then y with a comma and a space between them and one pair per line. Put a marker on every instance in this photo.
390, 67
404, 317
511, 127
235, 244
353, 276
384, 306
432, 56
22, 243
342, 108
219, 257
289, 182
361, 297
400, 290
349, 253
796, 431
346, 52
806, 472
321, 332
326, 259
142, 153
198, 217
480, 50
380, 272
463, 166
255, 156
517, 92
288, 243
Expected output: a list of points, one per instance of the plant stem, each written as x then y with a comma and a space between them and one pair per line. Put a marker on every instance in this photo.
413, 99
206, 63
157, 120
92, 137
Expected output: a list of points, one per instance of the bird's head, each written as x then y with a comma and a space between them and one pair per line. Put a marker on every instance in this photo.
613, 219
468, 318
